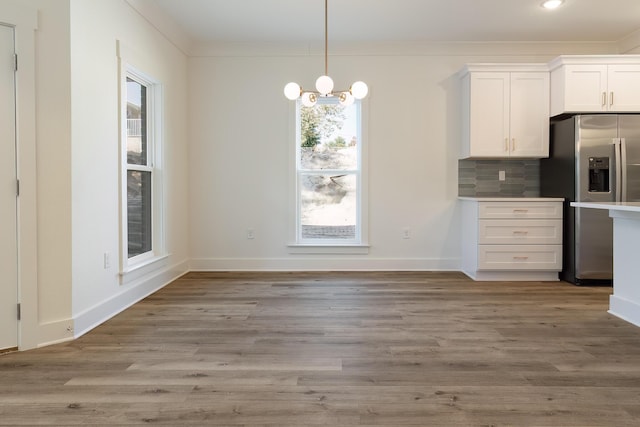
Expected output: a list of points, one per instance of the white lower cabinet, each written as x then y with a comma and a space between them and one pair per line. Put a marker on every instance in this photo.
512, 239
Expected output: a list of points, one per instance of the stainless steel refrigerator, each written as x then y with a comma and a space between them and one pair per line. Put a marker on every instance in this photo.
592, 158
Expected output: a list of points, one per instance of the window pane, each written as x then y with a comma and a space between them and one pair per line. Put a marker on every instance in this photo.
328, 206
328, 137
136, 123
139, 212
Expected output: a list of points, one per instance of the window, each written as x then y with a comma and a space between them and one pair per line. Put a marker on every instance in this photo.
141, 189
329, 175
139, 172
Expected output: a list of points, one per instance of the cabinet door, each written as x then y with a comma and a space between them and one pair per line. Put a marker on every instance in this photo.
624, 88
529, 136
585, 88
489, 115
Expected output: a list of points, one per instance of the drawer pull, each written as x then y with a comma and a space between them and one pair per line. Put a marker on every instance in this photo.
520, 210
520, 258
520, 233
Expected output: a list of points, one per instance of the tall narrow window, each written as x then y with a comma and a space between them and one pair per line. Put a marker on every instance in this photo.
329, 174
141, 184
139, 171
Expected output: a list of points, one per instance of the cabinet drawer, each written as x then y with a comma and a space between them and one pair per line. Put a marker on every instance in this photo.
520, 257
520, 231
515, 210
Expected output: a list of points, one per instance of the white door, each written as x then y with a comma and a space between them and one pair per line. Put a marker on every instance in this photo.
8, 199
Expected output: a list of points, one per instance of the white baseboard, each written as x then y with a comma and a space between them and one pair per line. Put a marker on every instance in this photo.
513, 276
343, 263
625, 309
142, 288
55, 332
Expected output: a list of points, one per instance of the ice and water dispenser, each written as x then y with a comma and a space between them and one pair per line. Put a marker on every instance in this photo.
599, 175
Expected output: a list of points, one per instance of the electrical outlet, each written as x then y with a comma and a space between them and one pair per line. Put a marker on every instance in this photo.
250, 234
107, 260
406, 233
501, 175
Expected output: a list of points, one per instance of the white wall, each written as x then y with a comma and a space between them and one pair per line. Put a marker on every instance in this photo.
95, 27
76, 163
239, 154
53, 158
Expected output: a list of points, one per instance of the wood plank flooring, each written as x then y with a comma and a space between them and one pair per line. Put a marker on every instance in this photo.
339, 349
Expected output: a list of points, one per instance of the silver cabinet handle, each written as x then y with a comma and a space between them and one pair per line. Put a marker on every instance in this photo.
520, 210
604, 98
623, 170
520, 258
611, 99
513, 144
520, 233
617, 148
506, 144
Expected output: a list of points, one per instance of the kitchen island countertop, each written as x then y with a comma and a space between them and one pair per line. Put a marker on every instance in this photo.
511, 199
611, 206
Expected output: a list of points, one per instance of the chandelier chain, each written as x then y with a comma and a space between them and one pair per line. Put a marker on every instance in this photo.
326, 37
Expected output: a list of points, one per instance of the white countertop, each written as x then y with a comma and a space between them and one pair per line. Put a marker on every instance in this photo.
512, 199
612, 206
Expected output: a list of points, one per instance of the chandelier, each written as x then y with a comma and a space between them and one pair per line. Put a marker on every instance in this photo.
324, 84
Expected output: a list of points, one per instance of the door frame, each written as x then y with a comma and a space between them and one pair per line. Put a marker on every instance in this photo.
24, 20
9, 261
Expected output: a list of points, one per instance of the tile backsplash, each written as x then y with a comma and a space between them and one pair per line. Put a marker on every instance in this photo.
479, 178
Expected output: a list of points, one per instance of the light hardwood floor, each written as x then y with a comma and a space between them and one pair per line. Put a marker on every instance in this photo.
339, 349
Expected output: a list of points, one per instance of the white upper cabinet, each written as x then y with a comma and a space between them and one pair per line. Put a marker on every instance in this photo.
593, 84
505, 111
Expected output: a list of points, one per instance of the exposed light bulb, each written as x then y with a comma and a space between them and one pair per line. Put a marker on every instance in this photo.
552, 4
309, 99
324, 84
292, 91
359, 90
346, 99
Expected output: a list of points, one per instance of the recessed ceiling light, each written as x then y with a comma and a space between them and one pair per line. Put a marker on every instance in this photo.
552, 4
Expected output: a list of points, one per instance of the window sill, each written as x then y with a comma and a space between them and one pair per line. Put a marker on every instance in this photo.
141, 269
348, 249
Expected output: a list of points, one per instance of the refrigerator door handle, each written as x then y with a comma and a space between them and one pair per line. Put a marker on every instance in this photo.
618, 163
623, 169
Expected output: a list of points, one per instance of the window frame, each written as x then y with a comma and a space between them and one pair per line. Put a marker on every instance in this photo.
144, 263
298, 244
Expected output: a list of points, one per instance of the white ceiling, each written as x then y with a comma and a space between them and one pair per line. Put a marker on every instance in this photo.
283, 21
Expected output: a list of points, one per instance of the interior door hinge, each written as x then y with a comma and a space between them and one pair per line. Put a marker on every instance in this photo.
15, 61
19, 311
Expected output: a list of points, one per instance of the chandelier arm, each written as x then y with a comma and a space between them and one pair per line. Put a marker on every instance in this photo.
332, 93
324, 84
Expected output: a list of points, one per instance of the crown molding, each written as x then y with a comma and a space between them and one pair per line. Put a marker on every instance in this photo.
508, 49
163, 23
